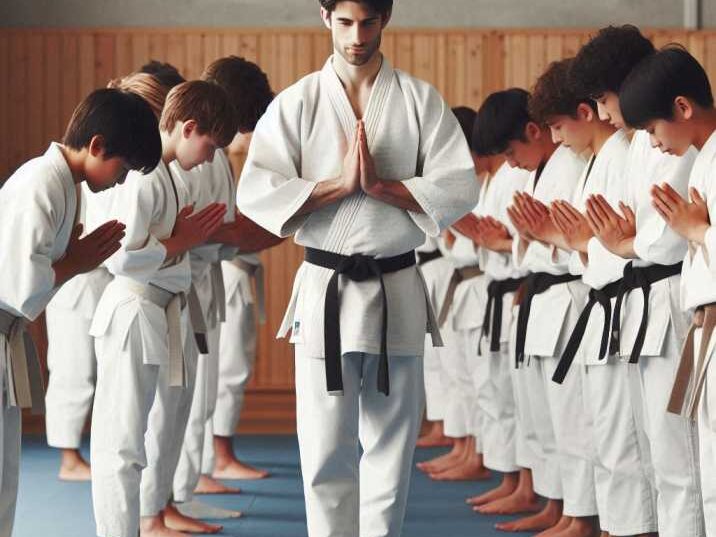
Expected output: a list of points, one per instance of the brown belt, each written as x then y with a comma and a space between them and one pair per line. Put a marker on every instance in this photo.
459, 275
687, 390
25, 388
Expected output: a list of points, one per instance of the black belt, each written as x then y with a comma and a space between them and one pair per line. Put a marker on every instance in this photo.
535, 284
496, 290
424, 257
635, 278
604, 297
358, 268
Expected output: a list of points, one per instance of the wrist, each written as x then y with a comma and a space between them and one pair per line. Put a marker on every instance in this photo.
375, 189
697, 233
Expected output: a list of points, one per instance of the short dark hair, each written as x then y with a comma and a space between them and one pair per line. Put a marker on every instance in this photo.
247, 86
466, 117
555, 94
604, 62
125, 121
167, 74
207, 104
649, 91
501, 119
384, 7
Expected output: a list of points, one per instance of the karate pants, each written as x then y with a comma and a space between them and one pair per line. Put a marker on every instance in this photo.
73, 372
707, 440
349, 495
625, 496
131, 397
435, 393
237, 353
674, 447
10, 432
459, 360
191, 462
496, 407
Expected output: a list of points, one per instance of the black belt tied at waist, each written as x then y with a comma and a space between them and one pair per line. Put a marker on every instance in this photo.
535, 284
496, 290
638, 278
603, 297
358, 268
424, 257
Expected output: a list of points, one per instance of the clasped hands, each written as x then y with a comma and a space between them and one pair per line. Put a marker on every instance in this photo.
358, 166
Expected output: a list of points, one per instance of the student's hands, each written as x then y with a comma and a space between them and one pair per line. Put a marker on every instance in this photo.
351, 174
689, 219
494, 235
572, 224
538, 218
469, 226
518, 219
614, 231
87, 253
192, 229
245, 234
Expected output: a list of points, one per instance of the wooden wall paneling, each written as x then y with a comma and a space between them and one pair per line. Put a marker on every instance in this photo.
195, 54
159, 47
474, 70
249, 47
212, 48
18, 102
454, 91
4, 115
87, 66
176, 54
54, 129
697, 46
104, 58
303, 55
69, 77
322, 49
710, 56
440, 58
123, 55
518, 53
140, 50
494, 63
35, 142
404, 52
537, 47
388, 46
553, 48
424, 65
287, 55
571, 44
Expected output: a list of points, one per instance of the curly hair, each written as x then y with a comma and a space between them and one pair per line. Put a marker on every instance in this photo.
247, 85
555, 94
604, 62
381, 6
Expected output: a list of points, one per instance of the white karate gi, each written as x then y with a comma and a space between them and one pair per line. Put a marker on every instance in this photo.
673, 439
553, 422
698, 287
211, 182
70, 354
493, 383
300, 140
38, 205
625, 498
133, 394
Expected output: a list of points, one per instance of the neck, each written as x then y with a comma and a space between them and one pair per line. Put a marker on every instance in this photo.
495, 163
602, 133
357, 76
75, 162
168, 147
704, 126
549, 147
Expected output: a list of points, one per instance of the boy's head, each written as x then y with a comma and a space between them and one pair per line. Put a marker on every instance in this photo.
119, 132
664, 94
356, 27
466, 118
603, 63
166, 73
504, 127
247, 86
200, 118
148, 87
555, 102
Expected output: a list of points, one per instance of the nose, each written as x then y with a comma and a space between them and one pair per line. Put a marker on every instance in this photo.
655, 143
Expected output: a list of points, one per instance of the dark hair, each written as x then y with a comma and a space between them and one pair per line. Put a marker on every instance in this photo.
501, 118
466, 117
555, 94
384, 7
167, 74
125, 121
247, 86
207, 104
649, 91
604, 62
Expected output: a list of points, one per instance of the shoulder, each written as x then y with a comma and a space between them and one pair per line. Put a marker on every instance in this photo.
36, 182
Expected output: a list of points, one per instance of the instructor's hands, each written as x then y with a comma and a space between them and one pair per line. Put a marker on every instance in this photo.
368, 178
351, 175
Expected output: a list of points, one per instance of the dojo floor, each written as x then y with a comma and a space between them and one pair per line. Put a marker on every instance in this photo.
272, 508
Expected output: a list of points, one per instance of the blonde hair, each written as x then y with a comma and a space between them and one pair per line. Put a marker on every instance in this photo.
148, 87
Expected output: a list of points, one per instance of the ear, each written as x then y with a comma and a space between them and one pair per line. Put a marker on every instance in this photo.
533, 132
188, 128
326, 17
386, 19
683, 109
97, 146
585, 112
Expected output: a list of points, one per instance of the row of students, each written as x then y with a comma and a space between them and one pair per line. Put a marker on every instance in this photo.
604, 247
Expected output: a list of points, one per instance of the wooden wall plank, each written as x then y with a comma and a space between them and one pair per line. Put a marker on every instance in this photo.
105, 58
4, 108
69, 87
35, 94
18, 103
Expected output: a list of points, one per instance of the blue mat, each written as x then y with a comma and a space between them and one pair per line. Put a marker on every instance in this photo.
272, 507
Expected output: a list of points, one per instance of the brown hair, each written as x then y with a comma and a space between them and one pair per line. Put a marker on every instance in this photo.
148, 87
555, 95
207, 104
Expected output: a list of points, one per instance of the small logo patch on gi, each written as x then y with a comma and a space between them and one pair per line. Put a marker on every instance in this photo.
296, 328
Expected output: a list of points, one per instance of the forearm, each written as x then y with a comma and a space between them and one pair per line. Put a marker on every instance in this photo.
624, 248
175, 247
325, 193
64, 270
396, 194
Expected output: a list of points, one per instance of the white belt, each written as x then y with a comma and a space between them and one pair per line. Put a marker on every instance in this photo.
257, 273
25, 388
172, 304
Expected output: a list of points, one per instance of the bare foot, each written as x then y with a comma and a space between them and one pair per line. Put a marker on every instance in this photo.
507, 487
470, 470
154, 527
444, 462
513, 504
544, 520
209, 485
238, 470
197, 509
73, 467
435, 437
174, 520
562, 525
582, 527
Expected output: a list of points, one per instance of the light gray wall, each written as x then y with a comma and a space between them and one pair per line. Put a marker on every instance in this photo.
410, 13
